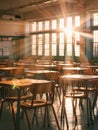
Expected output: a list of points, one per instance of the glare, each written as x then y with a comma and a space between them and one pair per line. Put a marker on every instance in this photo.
68, 30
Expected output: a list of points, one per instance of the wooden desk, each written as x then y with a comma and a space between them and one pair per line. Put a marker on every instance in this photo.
20, 84
76, 69
10, 70
80, 76
40, 73
50, 67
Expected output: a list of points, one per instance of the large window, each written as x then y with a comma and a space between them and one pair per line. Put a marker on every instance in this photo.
54, 37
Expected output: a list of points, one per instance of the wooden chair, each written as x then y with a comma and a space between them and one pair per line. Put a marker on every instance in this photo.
54, 78
45, 89
9, 95
76, 90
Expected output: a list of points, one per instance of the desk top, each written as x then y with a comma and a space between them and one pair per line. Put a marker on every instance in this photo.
79, 76
8, 68
75, 68
40, 71
21, 83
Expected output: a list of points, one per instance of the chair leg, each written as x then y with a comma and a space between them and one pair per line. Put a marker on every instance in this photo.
35, 116
74, 111
55, 117
1, 108
58, 92
90, 109
13, 114
27, 119
66, 117
44, 117
64, 113
94, 101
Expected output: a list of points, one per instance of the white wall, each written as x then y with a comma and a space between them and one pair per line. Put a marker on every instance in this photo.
14, 28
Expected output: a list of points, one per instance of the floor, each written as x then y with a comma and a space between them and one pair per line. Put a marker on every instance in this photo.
6, 122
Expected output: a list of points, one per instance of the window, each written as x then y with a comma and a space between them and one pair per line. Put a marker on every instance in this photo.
40, 26
40, 44
34, 45
34, 26
61, 44
47, 41
95, 35
54, 45
54, 24
77, 43
46, 25
95, 15
95, 44
61, 23
69, 36
77, 21
52, 38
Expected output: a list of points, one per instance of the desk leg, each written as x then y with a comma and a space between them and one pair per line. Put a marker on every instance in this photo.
18, 112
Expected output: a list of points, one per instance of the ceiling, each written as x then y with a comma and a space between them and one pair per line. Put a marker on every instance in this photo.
24, 8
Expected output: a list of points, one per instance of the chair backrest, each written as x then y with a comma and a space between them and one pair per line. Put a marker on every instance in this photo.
43, 91
70, 87
19, 71
52, 76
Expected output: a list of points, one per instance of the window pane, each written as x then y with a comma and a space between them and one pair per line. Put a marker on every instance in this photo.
40, 45
46, 25
47, 44
61, 44
61, 23
77, 44
69, 49
40, 26
69, 36
95, 19
95, 44
54, 47
33, 44
54, 24
33, 26
77, 21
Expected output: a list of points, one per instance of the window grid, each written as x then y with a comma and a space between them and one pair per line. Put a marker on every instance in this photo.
48, 42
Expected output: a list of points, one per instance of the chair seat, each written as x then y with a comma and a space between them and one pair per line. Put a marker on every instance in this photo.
36, 103
16, 98
76, 95
90, 89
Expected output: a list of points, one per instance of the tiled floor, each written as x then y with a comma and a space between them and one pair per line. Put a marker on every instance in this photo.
6, 122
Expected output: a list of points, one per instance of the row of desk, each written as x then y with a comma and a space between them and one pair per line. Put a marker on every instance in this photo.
23, 83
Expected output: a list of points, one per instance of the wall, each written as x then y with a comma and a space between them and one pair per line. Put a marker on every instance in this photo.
15, 29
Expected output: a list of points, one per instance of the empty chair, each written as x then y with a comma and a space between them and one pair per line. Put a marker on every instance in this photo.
71, 89
45, 101
10, 96
53, 76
